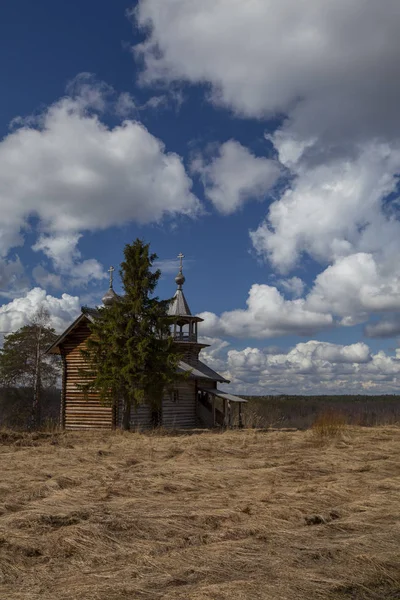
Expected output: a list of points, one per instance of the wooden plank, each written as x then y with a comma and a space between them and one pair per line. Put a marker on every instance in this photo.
182, 412
81, 411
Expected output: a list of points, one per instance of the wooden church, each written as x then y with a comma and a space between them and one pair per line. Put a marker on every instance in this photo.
195, 402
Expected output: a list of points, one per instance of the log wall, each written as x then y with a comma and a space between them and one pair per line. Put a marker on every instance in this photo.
178, 413
63, 388
80, 411
140, 417
181, 412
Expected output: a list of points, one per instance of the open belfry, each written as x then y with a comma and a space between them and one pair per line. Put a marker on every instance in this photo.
195, 402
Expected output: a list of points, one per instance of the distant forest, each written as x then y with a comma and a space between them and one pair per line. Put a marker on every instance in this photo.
261, 411
301, 411
16, 405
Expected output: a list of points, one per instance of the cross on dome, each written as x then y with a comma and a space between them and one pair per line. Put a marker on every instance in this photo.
111, 271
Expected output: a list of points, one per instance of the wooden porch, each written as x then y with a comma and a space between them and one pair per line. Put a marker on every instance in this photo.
216, 408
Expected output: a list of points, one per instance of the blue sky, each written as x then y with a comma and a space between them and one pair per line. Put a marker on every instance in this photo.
260, 141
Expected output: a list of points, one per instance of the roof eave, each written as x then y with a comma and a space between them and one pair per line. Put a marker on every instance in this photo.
54, 348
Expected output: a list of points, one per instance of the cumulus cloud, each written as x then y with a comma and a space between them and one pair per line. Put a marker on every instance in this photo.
62, 250
313, 367
355, 286
332, 210
293, 286
385, 328
73, 173
13, 278
346, 293
319, 63
46, 279
235, 176
268, 314
214, 354
318, 68
336, 214
20, 311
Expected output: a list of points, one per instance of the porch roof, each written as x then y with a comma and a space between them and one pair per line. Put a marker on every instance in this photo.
223, 395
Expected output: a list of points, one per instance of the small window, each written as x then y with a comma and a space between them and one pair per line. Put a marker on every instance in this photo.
175, 396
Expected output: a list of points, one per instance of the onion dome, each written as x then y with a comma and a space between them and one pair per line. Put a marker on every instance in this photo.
110, 296
180, 279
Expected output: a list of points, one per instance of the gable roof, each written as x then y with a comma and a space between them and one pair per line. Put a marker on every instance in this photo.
53, 349
201, 371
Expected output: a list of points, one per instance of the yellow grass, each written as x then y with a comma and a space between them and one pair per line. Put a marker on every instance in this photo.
238, 515
329, 424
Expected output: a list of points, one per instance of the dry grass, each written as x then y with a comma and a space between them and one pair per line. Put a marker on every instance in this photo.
329, 424
239, 515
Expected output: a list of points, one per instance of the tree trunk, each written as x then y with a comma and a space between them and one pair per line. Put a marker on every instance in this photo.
126, 414
36, 416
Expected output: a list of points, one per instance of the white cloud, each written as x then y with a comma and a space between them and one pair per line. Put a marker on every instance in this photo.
171, 265
13, 279
235, 176
333, 210
321, 63
125, 105
355, 286
267, 314
89, 92
20, 311
71, 172
346, 293
385, 328
318, 67
46, 279
173, 99
214, 355
62, 250
294, 286
334, 213
310, 368
74, 173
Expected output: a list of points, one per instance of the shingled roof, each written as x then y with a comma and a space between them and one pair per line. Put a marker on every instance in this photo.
179, 306
201, 371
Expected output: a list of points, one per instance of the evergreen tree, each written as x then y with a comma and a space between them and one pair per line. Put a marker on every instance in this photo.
23, 361
131, 354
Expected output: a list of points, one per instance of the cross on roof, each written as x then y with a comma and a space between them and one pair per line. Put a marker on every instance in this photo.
111, 271
181, 256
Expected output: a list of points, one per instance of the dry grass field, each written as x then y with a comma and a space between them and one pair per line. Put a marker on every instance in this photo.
275, 515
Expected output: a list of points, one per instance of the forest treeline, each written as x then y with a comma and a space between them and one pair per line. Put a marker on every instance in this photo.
261, 411
16, 407
301, 411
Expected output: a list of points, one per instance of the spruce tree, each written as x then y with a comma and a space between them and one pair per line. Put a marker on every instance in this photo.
131, 354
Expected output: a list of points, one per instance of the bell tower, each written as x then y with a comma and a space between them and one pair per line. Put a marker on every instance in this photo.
184, 328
